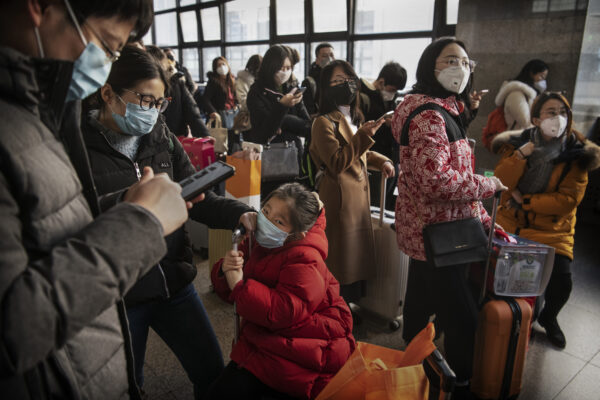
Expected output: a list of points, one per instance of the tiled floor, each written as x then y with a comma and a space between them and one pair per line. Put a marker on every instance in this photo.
573, 373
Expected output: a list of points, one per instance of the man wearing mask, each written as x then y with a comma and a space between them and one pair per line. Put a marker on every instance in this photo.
324, 55
377, 98
63, 273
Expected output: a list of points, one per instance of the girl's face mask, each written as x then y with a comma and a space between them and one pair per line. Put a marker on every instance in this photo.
267, 234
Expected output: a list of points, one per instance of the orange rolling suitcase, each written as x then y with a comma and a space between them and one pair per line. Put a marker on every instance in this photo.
501, 340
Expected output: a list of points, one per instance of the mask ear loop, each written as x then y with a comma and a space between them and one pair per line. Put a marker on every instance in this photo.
72, 14
38, 39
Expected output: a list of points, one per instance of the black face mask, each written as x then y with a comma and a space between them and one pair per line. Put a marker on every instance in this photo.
343, 94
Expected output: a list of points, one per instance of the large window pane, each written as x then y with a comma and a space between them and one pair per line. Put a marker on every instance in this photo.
290, 17
211, 25
163, 4
189, 26
208, 55
330, 15
339, 50
147, 39
186, 2
238, 56
166, 29
247, 20
371, 55
451, 12
298, 68
375, 16
192, 62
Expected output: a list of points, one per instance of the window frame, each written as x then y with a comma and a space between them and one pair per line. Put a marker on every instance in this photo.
439, 29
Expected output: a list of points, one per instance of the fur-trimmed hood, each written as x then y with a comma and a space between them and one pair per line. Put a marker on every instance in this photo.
586, 152
246, 76
510, 86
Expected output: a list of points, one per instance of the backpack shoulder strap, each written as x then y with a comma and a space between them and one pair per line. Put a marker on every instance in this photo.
453, 131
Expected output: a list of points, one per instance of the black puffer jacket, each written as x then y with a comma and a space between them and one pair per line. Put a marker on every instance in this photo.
183, 111
214, 97
160, 150
267, 115
61, 273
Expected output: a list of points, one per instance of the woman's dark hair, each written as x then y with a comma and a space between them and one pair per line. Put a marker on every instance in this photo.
393, 74
253, 64
303, 204
271, 63
427, 82
327, 103
156, 52
539, 102
226, 82
141, 10
133, 66
532, 67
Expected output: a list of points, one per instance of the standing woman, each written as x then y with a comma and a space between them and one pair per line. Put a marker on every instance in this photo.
516, 95
546, 170
245, 79
123, 136
218, 100
436, 183
341, 145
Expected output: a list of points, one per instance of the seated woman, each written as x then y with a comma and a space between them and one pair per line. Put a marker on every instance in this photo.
546, 170
296, 330
124, 135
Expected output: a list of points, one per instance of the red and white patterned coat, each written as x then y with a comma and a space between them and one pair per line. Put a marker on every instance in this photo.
436, 176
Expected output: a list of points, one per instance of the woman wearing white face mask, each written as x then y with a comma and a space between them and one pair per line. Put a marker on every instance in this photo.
436, 184
546, 170
219, 99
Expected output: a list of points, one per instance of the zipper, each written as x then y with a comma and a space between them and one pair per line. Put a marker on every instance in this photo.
137, 170
511, 351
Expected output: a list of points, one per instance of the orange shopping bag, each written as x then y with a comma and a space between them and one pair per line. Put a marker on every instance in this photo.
378, 373
245, 184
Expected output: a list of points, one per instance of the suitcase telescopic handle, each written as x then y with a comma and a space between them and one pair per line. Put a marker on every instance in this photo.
383, 191
490, 245
236, 238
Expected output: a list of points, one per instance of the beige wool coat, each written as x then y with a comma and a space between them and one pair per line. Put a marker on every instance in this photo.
344, 189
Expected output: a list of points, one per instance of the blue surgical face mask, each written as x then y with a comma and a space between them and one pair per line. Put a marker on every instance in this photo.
267, 234
136, 121
90, 70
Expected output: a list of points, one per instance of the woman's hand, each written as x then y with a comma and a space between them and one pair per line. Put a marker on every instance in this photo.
291, 99
249, 221
214, 116
517, 196
475, 98
498, 183
525, 150
388, 170
370, 127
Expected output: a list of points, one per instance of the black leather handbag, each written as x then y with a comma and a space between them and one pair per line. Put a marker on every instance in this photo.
462, 241
279, 162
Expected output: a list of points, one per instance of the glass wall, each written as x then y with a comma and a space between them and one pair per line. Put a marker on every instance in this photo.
367, 33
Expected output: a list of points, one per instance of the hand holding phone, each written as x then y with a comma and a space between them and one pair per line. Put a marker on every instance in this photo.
300, 90
386, 115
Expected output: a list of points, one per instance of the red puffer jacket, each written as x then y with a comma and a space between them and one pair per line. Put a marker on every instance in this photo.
436, 182
296, 329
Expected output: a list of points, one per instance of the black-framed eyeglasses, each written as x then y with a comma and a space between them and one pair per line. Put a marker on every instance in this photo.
112, 55
147, 101
352, 81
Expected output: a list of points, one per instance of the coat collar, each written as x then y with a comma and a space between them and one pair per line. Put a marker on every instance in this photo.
342, 123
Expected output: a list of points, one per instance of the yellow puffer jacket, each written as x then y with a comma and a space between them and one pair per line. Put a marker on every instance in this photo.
548, 217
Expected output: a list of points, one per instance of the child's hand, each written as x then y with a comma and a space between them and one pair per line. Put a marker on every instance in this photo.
232, 260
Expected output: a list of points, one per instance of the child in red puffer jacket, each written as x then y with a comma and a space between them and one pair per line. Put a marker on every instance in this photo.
296, 330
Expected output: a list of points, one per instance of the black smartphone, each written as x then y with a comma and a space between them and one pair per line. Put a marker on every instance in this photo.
387, 114
201, 181
300, 90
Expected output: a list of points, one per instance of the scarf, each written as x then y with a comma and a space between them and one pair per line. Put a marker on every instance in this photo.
540, 163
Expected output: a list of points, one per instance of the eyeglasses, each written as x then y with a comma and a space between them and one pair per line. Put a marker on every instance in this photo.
457, 62
112, 55
147, 101
553, 112
351, 81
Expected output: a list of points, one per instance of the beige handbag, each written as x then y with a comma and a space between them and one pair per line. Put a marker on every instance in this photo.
216, 130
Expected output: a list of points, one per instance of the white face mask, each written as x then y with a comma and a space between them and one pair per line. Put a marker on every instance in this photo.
282, 77
541, 85
324, 61
222, 70
554, 127
454, 79
387, 96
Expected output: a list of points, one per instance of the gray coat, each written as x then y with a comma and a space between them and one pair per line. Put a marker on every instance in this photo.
62, 273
